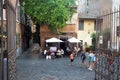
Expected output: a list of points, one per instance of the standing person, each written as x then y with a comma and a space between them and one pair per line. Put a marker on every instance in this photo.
48, 56
91, 60
83, 57
94, 60
45, 52
71, 57
75, 50
79, 50
68, 50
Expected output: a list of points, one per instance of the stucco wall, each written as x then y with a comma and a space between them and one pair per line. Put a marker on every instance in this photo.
85, 34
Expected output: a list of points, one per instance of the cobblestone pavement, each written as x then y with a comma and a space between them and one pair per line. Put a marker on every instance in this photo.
36, 67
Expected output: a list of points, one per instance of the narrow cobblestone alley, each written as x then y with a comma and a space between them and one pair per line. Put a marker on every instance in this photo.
35, 67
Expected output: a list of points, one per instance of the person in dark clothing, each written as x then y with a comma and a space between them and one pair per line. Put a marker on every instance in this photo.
83, 57
71, 57
5, 53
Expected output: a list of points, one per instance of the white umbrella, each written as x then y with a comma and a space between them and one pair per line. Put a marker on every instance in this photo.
73, 40
51, 40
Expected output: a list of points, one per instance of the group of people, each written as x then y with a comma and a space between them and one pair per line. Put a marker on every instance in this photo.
60, 53
91, 59
74, 49
53, 54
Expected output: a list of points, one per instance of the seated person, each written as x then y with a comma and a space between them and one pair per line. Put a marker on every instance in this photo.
58, 53
45, 52
48, 56
52, 55
62, 52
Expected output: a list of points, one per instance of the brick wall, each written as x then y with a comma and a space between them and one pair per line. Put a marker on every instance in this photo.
46, 34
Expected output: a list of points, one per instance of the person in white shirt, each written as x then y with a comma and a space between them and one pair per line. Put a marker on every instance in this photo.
45, 52
58, 52
75, 50
62, 52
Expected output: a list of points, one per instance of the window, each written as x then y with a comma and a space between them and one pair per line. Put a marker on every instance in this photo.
81, 25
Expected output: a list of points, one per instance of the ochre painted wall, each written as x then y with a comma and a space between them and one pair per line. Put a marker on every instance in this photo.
85, 34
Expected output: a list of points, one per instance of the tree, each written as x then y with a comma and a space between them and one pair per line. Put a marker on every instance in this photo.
53, 13
93, 36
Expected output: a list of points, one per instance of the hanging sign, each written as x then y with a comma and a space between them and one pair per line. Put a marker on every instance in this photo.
101, 39
118, 31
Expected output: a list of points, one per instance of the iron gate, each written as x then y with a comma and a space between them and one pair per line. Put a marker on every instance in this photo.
108, 46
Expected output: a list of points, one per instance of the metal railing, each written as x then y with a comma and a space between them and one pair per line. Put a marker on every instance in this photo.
107, 65
108, 49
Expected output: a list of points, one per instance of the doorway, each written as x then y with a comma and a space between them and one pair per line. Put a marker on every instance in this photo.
63, 44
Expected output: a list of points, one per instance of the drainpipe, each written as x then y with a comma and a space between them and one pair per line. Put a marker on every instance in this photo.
1, 54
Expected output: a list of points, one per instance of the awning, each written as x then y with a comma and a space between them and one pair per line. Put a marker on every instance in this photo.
73, 40
51, 40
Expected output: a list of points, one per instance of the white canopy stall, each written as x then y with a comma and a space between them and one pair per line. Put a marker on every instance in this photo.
73, 40
52, 40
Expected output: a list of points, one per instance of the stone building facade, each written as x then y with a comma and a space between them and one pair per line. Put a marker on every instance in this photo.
88, 9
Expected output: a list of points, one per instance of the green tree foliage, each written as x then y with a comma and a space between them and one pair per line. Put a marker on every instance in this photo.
93, 36
53, 13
